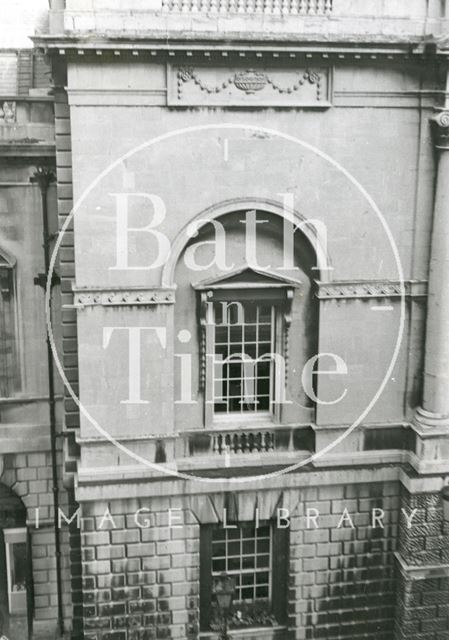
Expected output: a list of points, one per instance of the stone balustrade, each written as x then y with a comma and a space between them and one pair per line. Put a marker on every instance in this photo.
400, 21
247, 441
243, 442
284, 7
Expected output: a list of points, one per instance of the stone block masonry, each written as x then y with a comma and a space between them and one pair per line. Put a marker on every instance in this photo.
142, 583
139, 583
342, 578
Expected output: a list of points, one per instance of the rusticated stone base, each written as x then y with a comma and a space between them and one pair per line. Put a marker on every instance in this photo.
422, 611
144, 583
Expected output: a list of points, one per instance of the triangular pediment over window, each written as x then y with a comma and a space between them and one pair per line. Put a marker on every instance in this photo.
247, 277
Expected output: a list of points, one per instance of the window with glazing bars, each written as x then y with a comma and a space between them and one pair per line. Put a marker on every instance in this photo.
244, 341
244, 553
257, 558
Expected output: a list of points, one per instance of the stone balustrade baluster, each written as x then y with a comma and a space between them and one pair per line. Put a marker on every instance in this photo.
272, 7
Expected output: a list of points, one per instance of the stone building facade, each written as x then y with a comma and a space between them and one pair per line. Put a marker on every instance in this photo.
272, 177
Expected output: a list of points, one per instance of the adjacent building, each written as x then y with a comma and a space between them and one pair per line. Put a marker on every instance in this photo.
33, 585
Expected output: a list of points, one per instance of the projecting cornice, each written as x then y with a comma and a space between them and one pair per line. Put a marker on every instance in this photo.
204, 43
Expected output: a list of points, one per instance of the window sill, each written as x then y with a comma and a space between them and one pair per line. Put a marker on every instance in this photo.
243, 460
247, 633
238, 424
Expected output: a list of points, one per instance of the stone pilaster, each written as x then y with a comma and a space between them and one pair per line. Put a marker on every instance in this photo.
435, 406
432, 418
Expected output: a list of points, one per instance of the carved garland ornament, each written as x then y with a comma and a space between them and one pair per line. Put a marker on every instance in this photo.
250, 82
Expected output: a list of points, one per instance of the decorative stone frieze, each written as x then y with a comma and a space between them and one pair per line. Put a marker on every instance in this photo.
247, 86
122, 297
370, 289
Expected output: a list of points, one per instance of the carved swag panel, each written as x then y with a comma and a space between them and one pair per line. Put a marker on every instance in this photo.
248, 86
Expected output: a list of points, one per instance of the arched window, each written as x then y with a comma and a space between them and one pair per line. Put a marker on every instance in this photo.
246, 315
245, 301
9, 370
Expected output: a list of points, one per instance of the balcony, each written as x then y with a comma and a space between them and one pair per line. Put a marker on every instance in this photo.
248, 446
26, 104
358, 21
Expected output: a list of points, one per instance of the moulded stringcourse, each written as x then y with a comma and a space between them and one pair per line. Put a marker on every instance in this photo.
370, 289
108, 298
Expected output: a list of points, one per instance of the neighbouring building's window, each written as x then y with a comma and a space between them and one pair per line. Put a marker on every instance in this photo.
257, 559
22, 70
8, 73
9, 373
